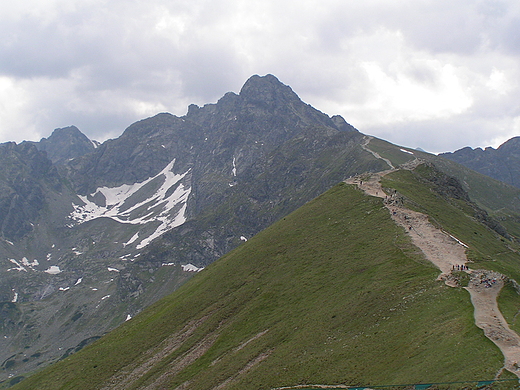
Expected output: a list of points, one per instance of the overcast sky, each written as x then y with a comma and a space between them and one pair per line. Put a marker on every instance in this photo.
437, 74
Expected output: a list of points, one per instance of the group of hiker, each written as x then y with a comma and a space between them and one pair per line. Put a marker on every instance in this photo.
488, 282
459, 267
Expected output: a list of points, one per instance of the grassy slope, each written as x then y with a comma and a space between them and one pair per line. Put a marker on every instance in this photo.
486, 248
496, 197
342, 294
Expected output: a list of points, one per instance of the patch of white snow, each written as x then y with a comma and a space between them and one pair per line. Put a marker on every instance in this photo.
167, 208
128, 317
113, 269
27, 263
78, 281
458, 241
243, 238
53, 270
134, 237
18, 267
406, 151
191, 268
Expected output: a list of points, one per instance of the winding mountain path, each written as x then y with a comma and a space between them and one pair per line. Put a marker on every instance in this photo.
448, 253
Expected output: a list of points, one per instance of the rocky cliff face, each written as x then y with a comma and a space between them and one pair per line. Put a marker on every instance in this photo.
502, 163
26, 177
65, 144
96, 234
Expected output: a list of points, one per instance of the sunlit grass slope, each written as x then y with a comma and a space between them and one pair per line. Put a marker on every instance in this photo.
333, 293
487, 249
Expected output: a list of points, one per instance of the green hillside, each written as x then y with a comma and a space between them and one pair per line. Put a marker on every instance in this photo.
499, 199
332, 294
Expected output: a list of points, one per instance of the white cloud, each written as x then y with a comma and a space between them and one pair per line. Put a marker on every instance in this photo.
391, 68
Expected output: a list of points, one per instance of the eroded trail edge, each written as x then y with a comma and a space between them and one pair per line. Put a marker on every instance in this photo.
448, 254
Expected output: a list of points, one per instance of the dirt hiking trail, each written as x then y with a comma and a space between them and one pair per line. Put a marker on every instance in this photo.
448, 254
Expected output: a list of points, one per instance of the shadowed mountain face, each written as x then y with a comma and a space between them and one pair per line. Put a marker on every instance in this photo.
26, 176
65, 144
502, 163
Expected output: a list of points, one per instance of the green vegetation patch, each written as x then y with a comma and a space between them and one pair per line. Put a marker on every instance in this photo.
390, 151
509, 305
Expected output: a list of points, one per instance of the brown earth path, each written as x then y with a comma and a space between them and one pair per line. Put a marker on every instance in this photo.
447, 252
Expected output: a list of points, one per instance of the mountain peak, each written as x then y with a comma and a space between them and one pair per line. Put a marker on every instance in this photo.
267, 89
65, 143
69, 131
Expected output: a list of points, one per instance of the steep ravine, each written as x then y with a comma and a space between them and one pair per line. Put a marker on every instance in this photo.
448, 253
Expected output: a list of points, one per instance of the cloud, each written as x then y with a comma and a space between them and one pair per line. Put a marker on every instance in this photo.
392, 68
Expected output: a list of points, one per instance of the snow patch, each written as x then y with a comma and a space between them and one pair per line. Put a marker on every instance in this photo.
128, 317
406, 151
167, 264
27, 263
134, 237
243, 238
18, 267
105, 297
234, 167
24, 265
191, 268
53, 270
162, 206
458, 241
15, 297
113, 269
64, 289
78, 281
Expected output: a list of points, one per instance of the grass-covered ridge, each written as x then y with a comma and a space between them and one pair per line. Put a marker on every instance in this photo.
333, 293
487, 249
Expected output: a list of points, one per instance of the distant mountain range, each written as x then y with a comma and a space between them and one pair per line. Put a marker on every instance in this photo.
502, 163
91, 234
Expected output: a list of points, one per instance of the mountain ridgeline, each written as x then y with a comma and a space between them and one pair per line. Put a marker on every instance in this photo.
92, 234
502, 163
